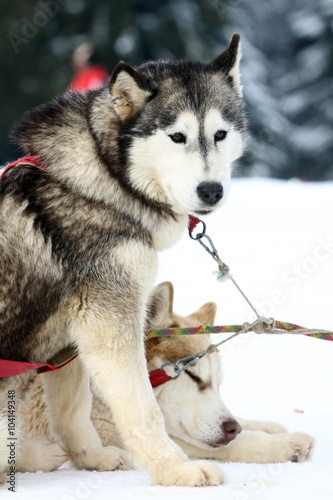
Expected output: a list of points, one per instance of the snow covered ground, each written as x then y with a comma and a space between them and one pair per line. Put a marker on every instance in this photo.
277, 238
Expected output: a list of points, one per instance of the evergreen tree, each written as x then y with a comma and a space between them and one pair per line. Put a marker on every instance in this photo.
287, 63
287, 70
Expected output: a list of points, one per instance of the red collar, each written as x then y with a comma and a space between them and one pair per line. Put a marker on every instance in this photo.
158, 377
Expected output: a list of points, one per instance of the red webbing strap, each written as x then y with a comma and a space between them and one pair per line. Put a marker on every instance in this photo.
192, 222
9, 368
33, 160
158, 377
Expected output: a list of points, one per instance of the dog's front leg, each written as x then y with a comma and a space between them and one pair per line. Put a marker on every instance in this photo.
69, 405
263, 426
257, 447
114, 356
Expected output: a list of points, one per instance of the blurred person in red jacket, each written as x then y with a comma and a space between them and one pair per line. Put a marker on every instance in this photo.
89, 75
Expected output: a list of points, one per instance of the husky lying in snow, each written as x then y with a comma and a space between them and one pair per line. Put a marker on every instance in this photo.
194, 413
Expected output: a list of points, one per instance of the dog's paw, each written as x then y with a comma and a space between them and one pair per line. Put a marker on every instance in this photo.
195, 473
40, 454
294, 447
303, 445
105, 459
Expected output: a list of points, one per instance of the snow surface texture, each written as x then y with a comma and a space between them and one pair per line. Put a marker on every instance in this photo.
277, 238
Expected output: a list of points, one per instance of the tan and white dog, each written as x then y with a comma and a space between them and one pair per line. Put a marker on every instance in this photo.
195, 416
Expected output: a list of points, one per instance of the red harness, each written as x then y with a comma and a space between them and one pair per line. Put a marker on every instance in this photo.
9, 368
32, 160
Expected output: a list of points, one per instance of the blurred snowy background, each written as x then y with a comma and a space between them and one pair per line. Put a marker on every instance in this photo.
287, 64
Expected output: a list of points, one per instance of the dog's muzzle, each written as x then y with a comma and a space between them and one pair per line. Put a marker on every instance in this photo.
230, 429
210, 192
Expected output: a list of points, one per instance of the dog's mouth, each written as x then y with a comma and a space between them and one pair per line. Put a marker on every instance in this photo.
205, 211
217, 444
208, 445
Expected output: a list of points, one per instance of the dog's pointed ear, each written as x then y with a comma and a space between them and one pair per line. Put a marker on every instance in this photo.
129, 93
228, 62
205, 315
160, 306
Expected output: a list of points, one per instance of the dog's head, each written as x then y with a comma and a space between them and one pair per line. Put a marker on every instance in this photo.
183, 126
191, 404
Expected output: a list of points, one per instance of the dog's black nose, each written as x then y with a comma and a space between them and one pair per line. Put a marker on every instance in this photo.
230, 429
210, 192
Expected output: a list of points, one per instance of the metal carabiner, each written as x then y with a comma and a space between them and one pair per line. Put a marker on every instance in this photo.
213, 252
193, 359
224, 269
199, 235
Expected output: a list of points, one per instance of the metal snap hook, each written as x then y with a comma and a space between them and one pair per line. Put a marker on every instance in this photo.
199, 235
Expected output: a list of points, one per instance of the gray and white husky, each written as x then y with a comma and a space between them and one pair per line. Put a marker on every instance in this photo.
125, 166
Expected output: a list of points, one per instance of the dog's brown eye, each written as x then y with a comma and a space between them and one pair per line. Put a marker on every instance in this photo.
220, 135
178, 137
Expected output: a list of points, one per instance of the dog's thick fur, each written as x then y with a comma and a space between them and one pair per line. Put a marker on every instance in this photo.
192, 407
79, 241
